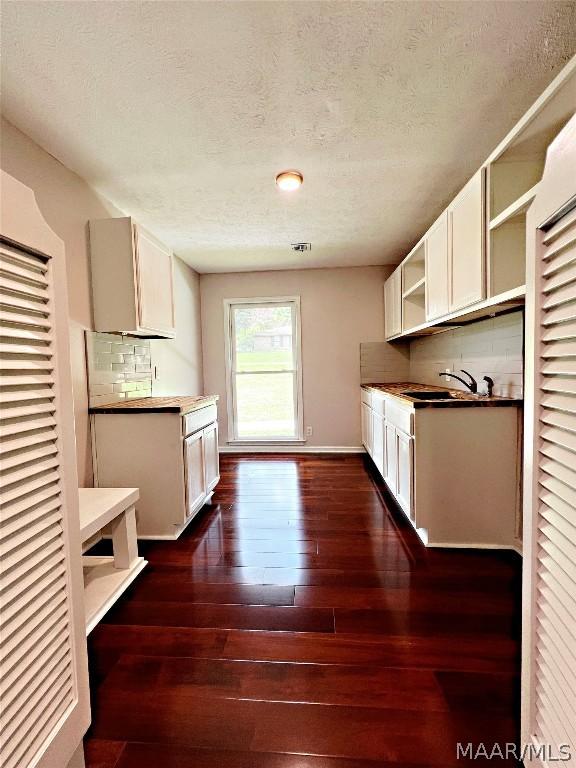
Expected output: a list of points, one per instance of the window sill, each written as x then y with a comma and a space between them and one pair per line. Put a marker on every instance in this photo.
268, 441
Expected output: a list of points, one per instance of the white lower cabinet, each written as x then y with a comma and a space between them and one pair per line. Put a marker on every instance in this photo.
390, 458
398, 466
378, 441
453, 471
210, 456
405, 461
172, 459
366, 417
194, 471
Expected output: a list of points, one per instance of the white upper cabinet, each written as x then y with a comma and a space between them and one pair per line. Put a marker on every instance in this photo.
436, 244
131, 280
475, 252
393, 304
466, 220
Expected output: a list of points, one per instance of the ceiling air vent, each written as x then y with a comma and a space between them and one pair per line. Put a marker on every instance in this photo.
301, 247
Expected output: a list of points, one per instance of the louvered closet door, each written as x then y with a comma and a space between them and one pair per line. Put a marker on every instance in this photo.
37, 665
554, 585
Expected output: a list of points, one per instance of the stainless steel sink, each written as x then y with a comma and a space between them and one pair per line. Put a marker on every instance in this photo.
432, 395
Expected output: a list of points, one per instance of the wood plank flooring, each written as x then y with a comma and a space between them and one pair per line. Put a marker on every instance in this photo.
299, 623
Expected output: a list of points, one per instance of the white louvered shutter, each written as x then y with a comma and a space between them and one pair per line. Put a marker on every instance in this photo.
38, 681
554, 674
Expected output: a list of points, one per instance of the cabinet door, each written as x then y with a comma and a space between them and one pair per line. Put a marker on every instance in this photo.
388, 321
390, 458
405, 459
393, 304
366, 416
211, 456
194, 467
378, 441
436, 244
466, 221
155, 292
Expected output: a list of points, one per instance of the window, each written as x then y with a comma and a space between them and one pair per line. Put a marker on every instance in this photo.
264, 369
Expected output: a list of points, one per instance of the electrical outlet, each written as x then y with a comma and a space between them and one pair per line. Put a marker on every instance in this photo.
308, 431
448, 370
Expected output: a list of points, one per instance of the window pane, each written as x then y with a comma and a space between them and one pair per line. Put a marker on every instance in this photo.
265, 405
263, 338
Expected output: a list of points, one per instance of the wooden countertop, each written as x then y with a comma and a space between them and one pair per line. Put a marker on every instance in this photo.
458, 398
181, 404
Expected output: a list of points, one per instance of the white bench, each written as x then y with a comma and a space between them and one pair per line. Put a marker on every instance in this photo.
106, 578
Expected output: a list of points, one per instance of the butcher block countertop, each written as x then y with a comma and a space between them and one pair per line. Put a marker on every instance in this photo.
181, 404
457, 399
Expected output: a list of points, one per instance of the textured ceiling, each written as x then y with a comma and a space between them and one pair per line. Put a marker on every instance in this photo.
183, 112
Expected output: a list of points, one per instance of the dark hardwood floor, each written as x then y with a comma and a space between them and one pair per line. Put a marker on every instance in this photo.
299, 623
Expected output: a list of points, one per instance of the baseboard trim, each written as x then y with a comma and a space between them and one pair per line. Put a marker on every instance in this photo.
287, 448
471, 545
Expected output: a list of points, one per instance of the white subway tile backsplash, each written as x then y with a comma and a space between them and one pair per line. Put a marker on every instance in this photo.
125, 386
139, 393
124, 349
113, 370
491, 347
103, 363
102, 389
383, 362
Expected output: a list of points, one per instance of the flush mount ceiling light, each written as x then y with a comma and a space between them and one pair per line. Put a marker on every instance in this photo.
288, 181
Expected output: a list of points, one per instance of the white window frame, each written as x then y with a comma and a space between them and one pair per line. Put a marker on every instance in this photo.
258, 301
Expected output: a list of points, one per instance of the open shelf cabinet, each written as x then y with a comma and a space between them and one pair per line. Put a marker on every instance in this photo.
414, 268
514, 172
414, 287
507, 255
485, 232
516, 166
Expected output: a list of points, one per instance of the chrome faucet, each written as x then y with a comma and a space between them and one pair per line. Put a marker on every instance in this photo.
471, 385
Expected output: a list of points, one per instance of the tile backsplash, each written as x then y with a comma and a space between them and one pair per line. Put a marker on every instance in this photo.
491, 347
381, 362
119, 367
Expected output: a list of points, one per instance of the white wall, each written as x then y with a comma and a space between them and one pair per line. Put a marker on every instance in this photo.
340, 309
67, 203
178, 361
492, 348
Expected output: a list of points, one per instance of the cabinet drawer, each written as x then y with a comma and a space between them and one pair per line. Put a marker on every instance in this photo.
400, 416
199, 419
366, 396
379, 403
